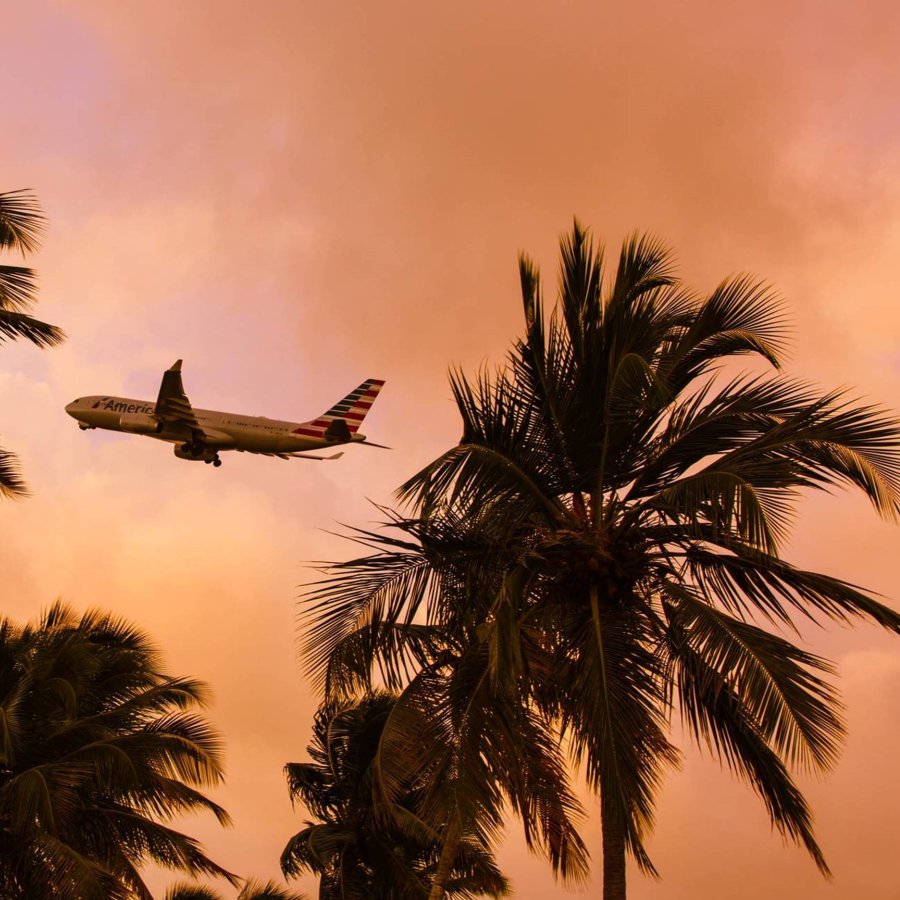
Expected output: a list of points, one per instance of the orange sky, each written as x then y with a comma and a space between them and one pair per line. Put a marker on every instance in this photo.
294, 196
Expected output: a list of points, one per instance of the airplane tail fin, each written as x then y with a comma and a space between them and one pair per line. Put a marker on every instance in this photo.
344, 418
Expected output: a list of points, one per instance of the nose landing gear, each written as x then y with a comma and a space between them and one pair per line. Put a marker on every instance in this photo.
215, 461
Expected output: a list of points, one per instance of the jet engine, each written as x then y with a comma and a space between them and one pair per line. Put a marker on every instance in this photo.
186, 451
140, 423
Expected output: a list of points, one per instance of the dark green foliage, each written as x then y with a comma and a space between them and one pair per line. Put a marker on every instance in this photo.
98, 750
363, 844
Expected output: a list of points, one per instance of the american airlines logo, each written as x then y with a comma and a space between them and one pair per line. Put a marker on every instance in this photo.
114, 405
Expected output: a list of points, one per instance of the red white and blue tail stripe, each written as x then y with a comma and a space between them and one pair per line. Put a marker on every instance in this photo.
352, 409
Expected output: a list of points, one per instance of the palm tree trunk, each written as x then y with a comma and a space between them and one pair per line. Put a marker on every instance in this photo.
610, 813
613, 851
445, 863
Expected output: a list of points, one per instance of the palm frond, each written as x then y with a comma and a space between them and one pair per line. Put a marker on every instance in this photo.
183, 890
18, 288
15, 325
257, 890
368, 596
717, 718
750, 582
778, 685
12, 485
580, 281
21, 221
645, 265
741, 316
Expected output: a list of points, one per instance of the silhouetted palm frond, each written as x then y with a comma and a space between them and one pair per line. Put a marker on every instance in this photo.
12, 485
21, 226
21, 221
14, 325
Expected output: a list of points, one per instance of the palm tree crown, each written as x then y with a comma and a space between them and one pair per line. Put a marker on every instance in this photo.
98, 749
617, 503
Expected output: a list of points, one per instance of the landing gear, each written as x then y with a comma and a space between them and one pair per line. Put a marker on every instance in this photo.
195, 451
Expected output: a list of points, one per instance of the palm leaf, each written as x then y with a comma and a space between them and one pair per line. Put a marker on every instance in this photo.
12, 485
184, 891
21, 221
15, 325
715, 716
794, 709
18, 288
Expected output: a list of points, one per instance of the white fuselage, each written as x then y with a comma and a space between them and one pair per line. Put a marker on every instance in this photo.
221, 430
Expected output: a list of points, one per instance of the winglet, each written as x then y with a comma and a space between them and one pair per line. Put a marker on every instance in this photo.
176, 366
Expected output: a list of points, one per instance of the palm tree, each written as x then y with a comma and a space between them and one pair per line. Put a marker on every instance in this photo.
251, 890
357, 846
634, 491
98, 749
21, 225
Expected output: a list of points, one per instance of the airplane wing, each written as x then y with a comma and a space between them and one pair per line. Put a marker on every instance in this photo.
290, 455
172, 405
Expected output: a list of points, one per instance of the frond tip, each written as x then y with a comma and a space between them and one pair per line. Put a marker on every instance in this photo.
12, 484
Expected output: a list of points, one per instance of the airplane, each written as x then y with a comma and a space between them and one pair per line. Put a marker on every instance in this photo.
201, 434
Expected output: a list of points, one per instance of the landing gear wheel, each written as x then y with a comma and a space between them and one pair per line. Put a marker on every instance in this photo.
217, 462
207, 461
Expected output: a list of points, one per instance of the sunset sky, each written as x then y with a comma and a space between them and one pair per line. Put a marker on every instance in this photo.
295, 196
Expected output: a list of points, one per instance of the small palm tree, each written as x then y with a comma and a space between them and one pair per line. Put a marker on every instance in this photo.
98, 749
21, 225
362, 846
619, 505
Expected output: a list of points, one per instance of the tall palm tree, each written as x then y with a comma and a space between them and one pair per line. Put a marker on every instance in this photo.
635, 490
99, 748
357, 847
21, 225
